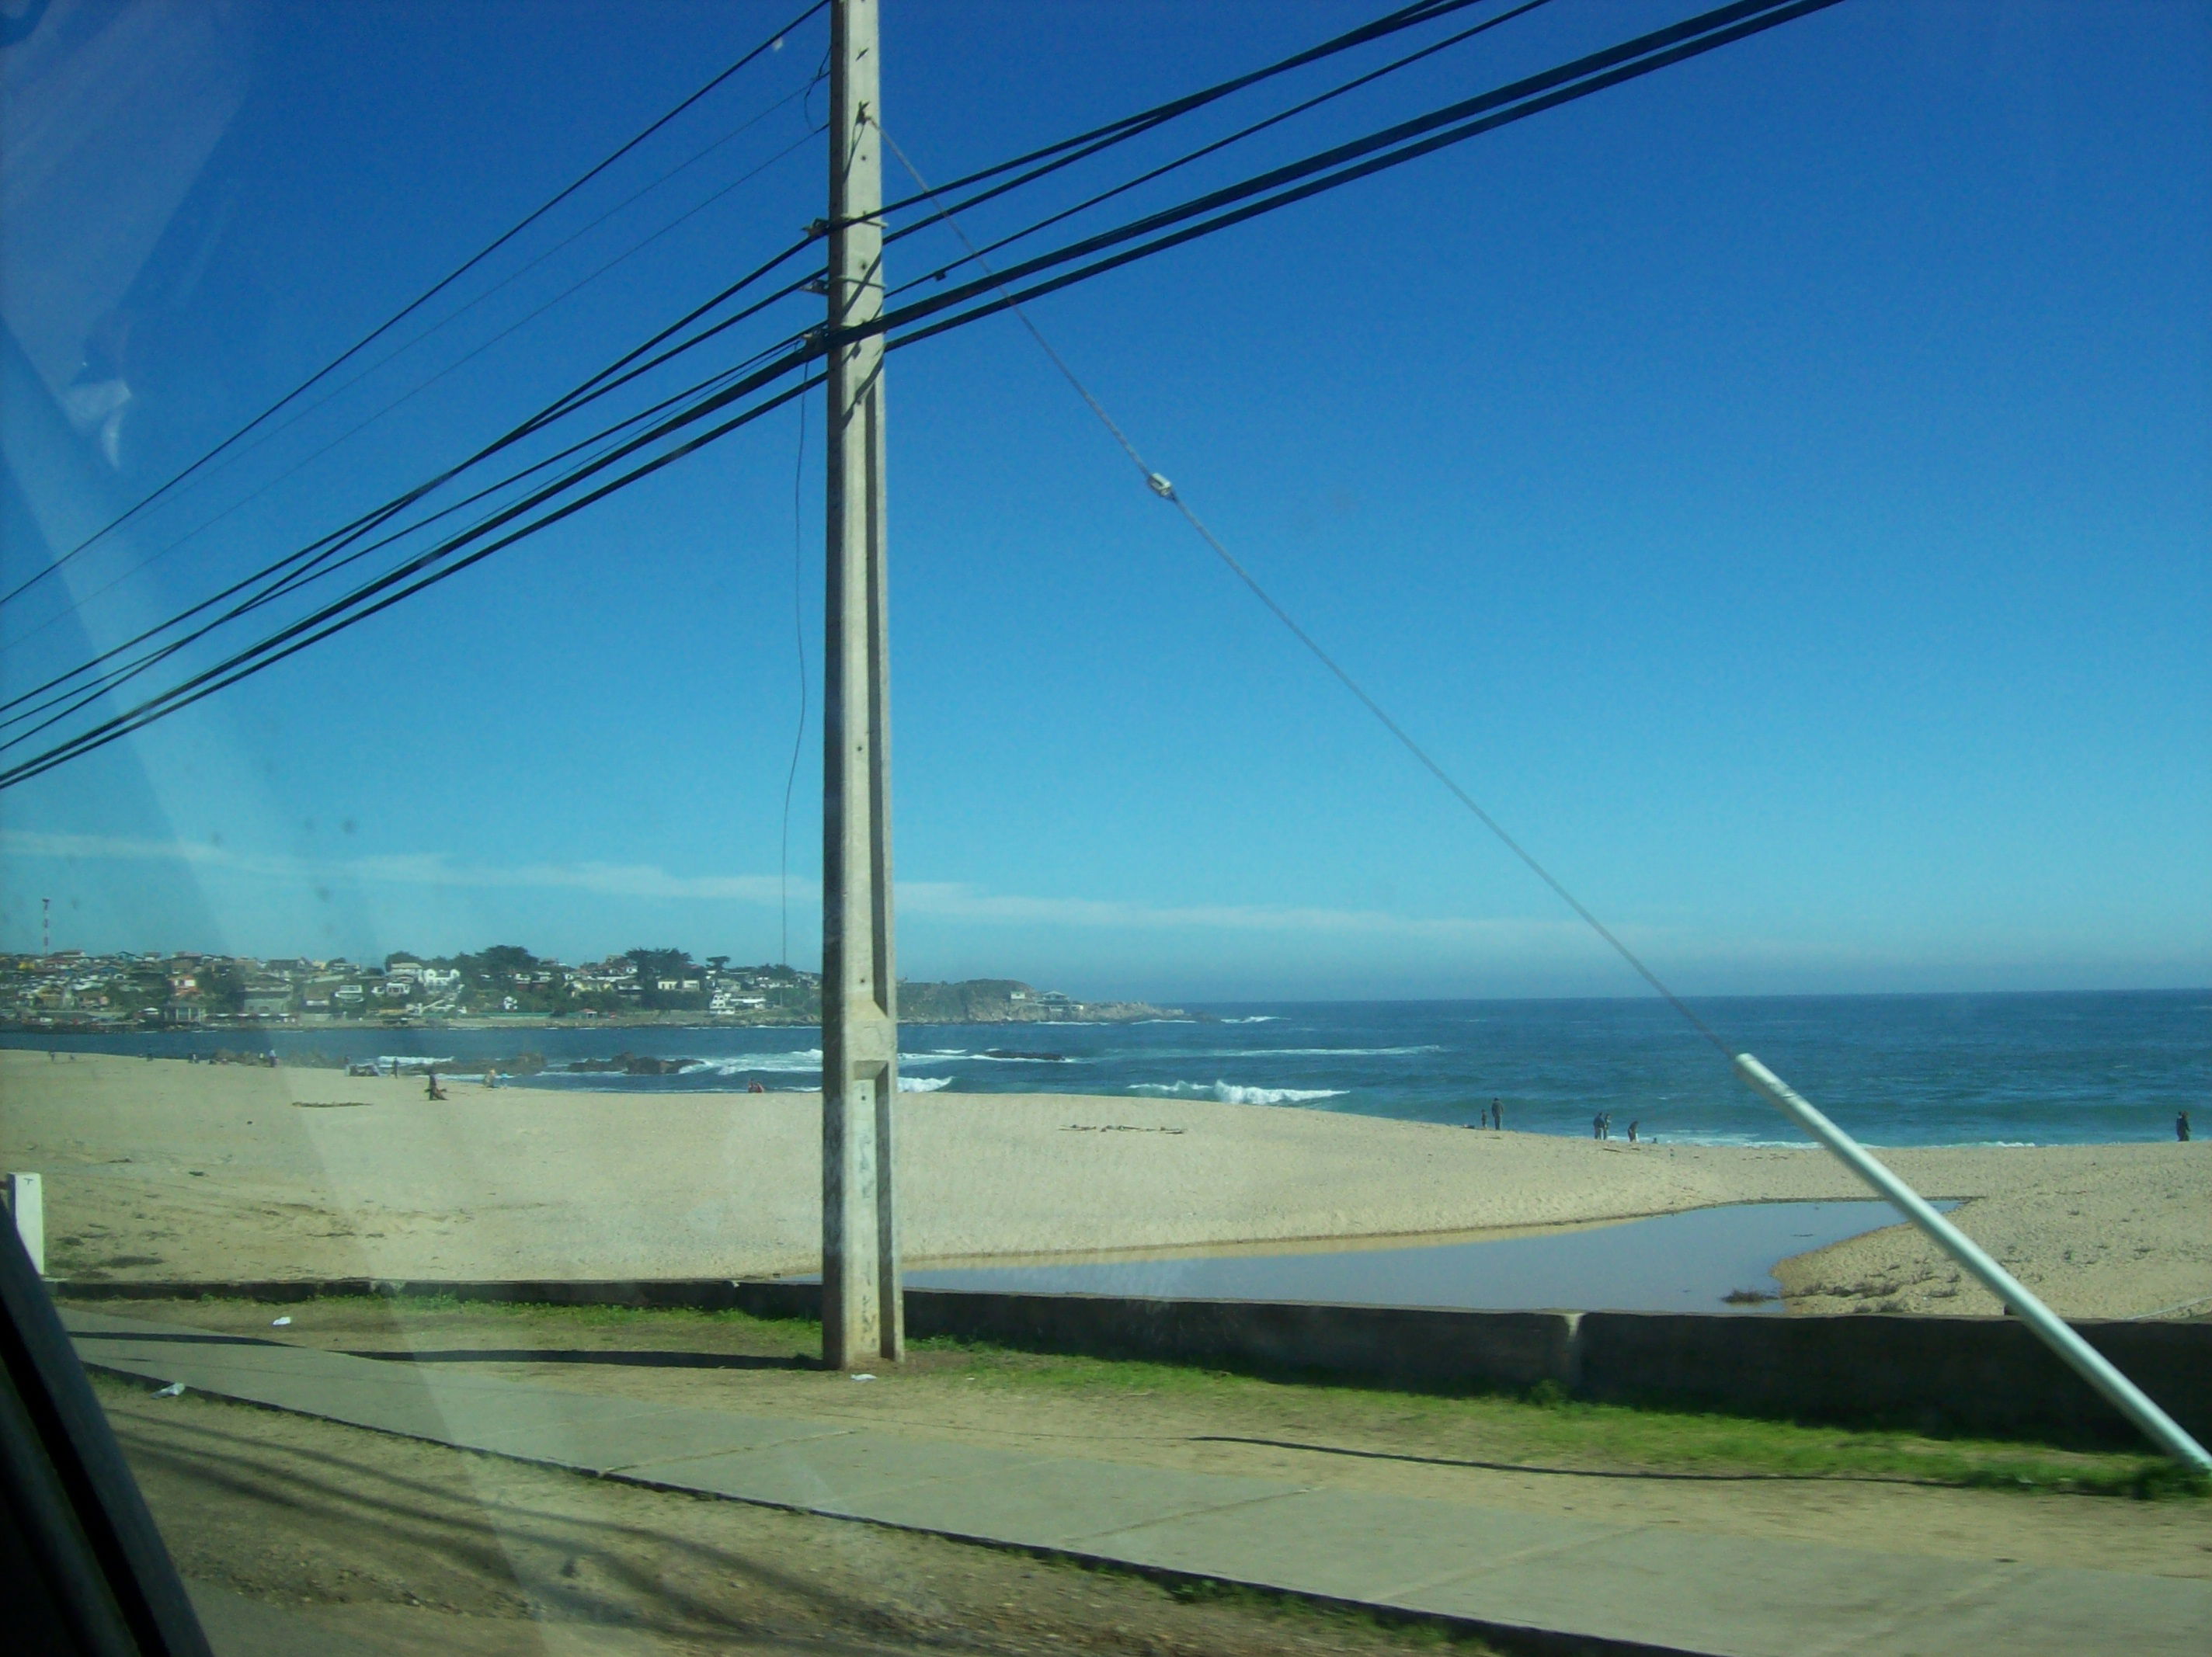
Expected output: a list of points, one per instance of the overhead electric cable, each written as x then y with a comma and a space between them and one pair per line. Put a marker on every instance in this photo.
417, 390
1295, 182
1067, 151
798, 630
1218, 144
1167, 491
290, 573
1404, 17
280, 583
415, 304
573, 400
1354, 160
516, 275
391, 588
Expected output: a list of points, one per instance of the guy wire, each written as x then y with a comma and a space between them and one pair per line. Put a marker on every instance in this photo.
1167, 491
799, 629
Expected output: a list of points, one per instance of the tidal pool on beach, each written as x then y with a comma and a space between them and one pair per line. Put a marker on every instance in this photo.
1686, 1262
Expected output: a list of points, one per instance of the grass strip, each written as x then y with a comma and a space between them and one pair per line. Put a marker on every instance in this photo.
1539, 1430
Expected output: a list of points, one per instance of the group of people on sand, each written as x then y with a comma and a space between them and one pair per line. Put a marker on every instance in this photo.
1493, 1117
1601, 1124
433, 1091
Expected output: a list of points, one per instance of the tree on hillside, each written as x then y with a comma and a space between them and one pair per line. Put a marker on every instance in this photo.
223, 988
145, 985
499, 961
655, 967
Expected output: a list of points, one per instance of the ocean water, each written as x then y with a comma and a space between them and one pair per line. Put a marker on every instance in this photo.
2013, 1069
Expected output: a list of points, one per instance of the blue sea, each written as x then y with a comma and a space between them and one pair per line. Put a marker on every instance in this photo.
2011, 1068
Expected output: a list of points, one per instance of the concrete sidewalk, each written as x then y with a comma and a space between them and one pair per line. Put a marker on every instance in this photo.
1601, 1585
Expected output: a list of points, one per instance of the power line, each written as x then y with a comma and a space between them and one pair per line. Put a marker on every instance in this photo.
1356, 159
396, 585
1082, 145
1238, 136
1168, 492
623, 370
573, 236
310, 560
315, 560
1095, 139
280, 583
799, 631
419, 300
347, 435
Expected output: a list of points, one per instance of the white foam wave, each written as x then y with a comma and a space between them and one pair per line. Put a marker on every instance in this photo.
923, 1083
1253, 1018
945, 1055
1328, 1052
805, 1059
1232, 1093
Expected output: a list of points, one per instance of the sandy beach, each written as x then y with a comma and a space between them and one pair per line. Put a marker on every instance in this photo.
158, 1170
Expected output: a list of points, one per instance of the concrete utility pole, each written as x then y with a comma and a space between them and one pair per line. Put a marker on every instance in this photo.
862, 1321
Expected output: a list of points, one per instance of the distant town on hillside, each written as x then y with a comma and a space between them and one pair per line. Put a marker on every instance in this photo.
70, 990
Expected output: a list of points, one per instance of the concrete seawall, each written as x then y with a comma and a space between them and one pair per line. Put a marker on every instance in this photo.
1987, 1375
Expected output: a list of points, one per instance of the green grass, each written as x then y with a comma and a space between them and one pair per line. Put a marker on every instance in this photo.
1538, 1428
1543, 1427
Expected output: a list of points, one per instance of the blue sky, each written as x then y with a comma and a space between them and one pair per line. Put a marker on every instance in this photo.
1777, 489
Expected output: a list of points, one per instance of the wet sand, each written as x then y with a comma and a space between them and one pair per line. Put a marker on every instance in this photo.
157, 1169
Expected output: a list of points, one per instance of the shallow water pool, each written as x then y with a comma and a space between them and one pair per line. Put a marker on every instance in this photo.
1688, 1262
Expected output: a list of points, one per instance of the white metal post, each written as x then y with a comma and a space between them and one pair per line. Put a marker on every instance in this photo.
2053, 1331
26, 1207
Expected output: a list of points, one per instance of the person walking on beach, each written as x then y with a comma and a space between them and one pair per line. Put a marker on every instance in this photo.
2181, 1127
434, 1090
1497, 1115
1631, 1134
1598, 1125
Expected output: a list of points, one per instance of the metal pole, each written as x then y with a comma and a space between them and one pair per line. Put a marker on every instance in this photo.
861, 1321
2053, 1331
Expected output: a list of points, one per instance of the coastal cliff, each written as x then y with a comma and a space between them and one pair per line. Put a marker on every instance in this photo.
1008, 1001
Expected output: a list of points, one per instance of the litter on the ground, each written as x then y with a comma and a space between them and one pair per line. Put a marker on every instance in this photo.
174, 1389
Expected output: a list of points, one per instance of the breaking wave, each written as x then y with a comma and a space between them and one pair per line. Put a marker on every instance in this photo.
806, 1058
1329, 1053
945, 1055
923, 1083
1230, 1093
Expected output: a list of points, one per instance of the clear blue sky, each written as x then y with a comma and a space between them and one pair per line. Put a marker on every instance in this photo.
1778, 488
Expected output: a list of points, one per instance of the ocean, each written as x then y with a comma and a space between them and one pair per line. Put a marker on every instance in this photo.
2009, 1069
